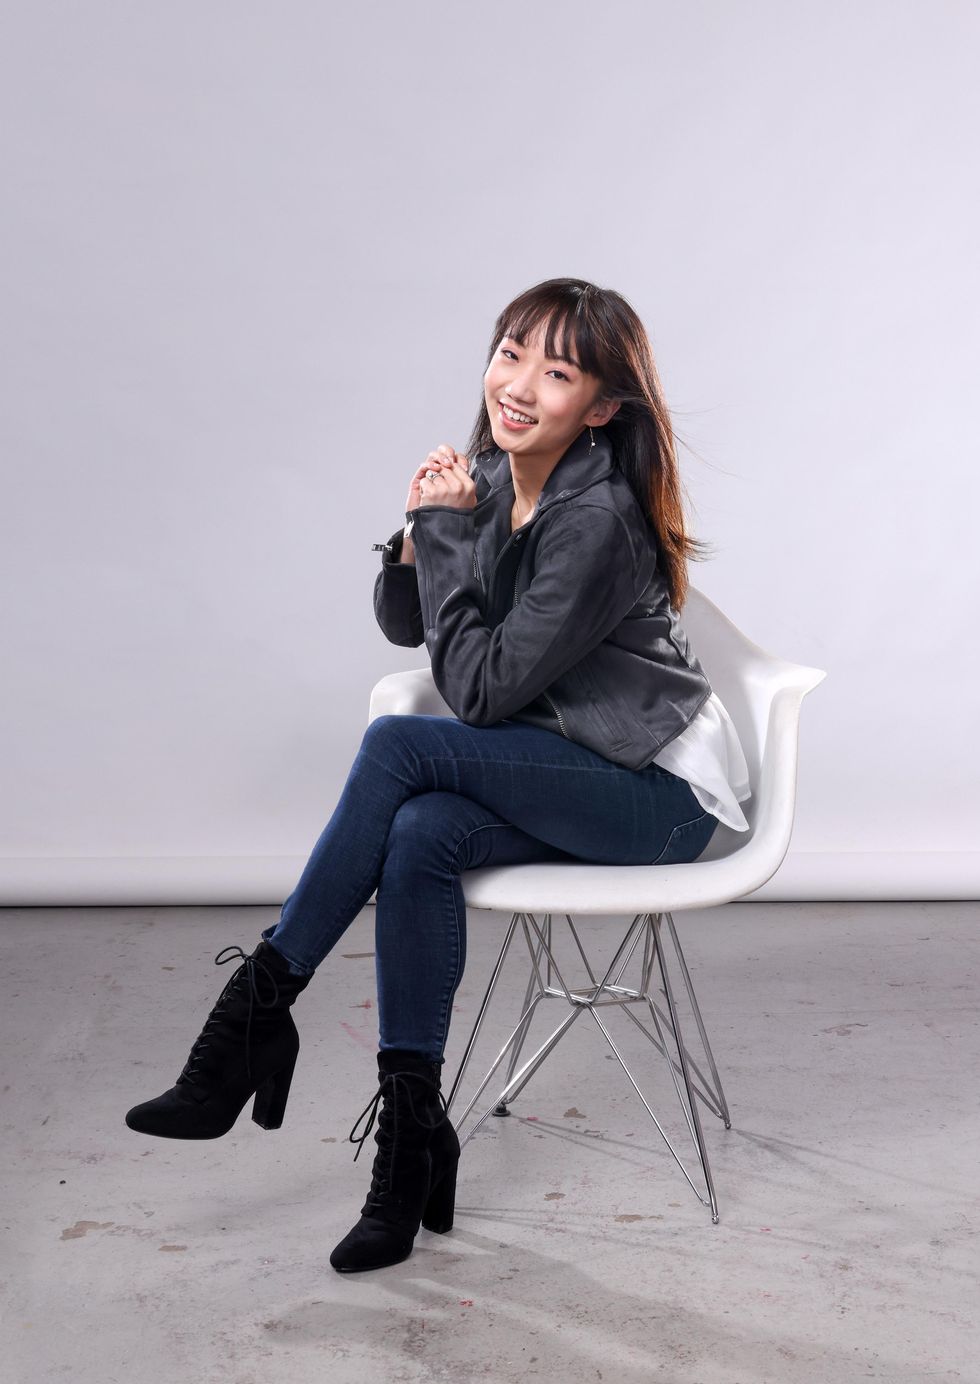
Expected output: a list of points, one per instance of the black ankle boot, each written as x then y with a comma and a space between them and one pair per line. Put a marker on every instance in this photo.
414, 1175
248, 1044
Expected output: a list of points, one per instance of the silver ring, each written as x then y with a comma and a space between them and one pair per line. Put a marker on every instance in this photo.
431, 475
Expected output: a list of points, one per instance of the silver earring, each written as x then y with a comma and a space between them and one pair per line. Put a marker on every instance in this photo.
592, 443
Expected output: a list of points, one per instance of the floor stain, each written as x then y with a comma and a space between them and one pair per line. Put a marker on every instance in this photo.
573, 1114
80, 1228
554, 1196
361, 1039
141, 1232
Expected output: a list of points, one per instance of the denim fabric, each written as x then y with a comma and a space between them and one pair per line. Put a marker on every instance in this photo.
430, 796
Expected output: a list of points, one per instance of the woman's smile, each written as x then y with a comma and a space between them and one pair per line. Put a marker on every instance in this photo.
512, 421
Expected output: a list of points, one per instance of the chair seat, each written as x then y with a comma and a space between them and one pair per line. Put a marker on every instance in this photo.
600, 890
563, 887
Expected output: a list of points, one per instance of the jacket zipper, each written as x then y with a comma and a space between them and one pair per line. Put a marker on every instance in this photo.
554, 708
561, 723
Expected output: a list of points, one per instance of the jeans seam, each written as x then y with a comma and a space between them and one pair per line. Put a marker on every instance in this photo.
675, 830
502, 763
527, 764
444, 1018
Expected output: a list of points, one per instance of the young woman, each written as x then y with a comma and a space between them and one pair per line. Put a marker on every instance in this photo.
544, 571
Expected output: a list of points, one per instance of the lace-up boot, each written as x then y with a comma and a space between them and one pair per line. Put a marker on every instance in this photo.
248, 1045
413, 1181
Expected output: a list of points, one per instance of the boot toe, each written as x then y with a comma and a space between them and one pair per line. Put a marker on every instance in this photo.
174, 1116
372, 1244
147, 1118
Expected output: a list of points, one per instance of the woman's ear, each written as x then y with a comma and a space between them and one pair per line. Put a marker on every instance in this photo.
603, 411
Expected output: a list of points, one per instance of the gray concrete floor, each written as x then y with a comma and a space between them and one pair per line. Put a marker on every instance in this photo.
848, 1045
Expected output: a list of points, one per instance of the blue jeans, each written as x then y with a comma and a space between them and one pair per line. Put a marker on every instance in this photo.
430, 796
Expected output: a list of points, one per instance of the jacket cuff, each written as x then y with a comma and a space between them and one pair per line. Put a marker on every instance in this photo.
443, 538
397, 575
396, 596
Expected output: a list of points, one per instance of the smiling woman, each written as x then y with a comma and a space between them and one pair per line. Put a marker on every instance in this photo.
537, 409
571, 355
545, 574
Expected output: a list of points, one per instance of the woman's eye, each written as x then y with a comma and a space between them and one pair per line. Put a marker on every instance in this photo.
506, 351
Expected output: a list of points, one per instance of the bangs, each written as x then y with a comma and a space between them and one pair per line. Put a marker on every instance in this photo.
567, 332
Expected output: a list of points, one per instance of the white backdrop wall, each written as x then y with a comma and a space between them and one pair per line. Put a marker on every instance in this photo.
251, 259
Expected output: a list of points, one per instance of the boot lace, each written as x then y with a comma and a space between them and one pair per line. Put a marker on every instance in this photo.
381, 1177
248, 970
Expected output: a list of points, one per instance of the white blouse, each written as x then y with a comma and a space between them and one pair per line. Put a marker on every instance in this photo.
708, 753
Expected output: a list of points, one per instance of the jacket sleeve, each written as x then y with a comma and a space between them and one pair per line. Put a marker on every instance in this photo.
588, 576
396, 597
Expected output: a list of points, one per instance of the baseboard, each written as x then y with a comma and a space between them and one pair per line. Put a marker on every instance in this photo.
177, 881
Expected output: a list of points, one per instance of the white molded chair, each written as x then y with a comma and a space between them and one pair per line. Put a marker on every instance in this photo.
763, 695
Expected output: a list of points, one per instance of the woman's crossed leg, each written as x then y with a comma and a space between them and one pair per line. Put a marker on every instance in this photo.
428, 797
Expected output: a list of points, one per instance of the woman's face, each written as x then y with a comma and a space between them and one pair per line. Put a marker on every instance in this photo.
556, 394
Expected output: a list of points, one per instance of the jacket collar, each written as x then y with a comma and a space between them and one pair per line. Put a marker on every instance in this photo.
580, 466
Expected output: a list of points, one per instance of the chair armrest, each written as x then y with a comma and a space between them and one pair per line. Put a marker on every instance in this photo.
409, 693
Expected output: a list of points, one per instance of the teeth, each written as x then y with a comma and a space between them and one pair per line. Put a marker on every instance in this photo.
517, 417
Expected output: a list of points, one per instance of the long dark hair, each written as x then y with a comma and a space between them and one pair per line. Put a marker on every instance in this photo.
611, 343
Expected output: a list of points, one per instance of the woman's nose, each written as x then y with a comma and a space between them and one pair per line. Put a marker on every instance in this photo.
520, 389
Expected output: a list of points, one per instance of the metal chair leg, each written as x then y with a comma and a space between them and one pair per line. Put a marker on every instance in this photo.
690, 1083
528, 1010
498, 967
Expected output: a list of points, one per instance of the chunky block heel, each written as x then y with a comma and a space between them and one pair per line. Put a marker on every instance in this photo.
270, 1098
438, 1213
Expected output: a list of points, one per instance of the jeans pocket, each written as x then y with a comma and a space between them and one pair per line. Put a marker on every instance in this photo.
686, 842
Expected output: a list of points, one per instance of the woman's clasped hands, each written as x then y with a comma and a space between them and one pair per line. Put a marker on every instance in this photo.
450, 485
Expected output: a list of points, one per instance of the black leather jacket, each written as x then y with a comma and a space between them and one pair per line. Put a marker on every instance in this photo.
566, 623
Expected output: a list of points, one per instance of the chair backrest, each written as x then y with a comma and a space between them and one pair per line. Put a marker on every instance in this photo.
763, 695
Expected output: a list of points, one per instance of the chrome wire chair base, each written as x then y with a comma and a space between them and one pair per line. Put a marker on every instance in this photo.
690, 1082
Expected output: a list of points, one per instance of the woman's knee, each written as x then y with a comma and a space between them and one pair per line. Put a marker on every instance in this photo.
394, 731
430, 826
427, 815
384, 727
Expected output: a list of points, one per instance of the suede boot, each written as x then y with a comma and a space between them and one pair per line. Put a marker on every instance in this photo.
248, 1045
413, 1181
